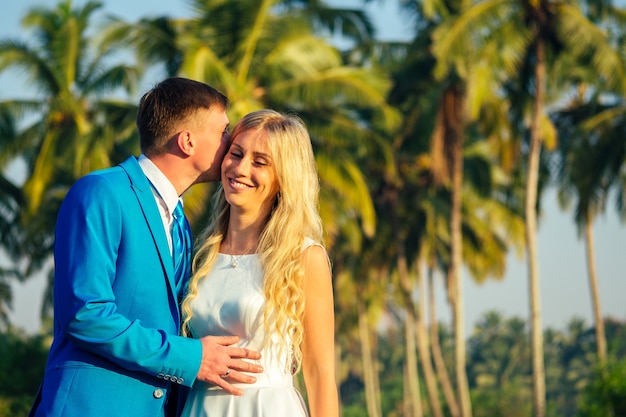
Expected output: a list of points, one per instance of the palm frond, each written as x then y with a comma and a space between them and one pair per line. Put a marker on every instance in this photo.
348, 181
584, 38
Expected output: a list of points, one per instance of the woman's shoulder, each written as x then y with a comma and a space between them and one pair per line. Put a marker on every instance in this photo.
308, 242
314, 251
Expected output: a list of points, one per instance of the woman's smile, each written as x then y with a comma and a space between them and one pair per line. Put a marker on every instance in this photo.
238, 185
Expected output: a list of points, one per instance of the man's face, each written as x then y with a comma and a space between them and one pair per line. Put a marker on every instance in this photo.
210, 131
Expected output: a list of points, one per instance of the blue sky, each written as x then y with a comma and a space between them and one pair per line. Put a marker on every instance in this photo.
563, 272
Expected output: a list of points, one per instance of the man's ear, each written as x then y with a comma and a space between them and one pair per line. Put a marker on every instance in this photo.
185, 142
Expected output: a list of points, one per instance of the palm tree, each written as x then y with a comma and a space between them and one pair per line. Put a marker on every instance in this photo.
358, 319
409, 278
370, 369
592, 154
415, 214
533, 35
464, 89
11, 203
449, 123
71, 127
437, 352
261, 56
62, 71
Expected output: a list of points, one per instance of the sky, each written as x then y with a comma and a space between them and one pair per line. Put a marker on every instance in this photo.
562, 265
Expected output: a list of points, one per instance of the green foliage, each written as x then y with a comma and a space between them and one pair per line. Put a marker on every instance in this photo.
605, 396
509, 400
500, 375
498, 353
22, 363
499, 370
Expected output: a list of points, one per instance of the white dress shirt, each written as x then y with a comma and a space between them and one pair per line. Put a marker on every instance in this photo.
164, 194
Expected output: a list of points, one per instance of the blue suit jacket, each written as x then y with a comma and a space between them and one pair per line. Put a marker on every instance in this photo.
116, 348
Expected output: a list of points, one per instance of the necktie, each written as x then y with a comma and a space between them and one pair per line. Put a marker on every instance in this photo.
181, 246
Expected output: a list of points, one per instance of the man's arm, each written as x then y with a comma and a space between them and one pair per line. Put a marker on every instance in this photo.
90, 287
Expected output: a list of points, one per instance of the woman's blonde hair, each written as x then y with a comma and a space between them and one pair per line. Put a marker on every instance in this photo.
294, 217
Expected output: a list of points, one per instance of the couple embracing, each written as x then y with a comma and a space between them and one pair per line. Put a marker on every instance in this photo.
142, 327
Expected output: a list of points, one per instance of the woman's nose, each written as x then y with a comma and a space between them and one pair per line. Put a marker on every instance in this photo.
242, 167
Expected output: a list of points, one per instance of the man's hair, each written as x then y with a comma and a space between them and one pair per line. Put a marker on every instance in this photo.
164, 109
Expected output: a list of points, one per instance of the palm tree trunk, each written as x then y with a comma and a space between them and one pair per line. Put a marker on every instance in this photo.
417, 320
423, 349
412, 400
415, 317
593, 287
539, 384
454, 118
440, 365
407, 402
372, 393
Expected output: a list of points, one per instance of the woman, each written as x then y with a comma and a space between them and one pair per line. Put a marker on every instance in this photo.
261, 273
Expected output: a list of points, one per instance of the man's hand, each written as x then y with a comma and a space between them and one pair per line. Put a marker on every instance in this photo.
222, 362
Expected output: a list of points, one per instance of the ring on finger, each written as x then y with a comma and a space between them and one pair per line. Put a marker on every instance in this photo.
226, 373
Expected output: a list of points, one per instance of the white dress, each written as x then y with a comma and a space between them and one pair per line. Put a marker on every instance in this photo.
230, 301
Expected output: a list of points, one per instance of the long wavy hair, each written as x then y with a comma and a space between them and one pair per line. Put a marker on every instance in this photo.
294, 217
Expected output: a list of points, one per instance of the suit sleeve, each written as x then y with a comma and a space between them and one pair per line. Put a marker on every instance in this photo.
89, 230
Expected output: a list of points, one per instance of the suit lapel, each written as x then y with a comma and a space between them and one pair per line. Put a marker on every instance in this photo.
142, 188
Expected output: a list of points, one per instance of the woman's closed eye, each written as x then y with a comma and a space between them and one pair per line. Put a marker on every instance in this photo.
261, 162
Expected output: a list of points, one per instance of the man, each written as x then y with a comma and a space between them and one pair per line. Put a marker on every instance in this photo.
118, 282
